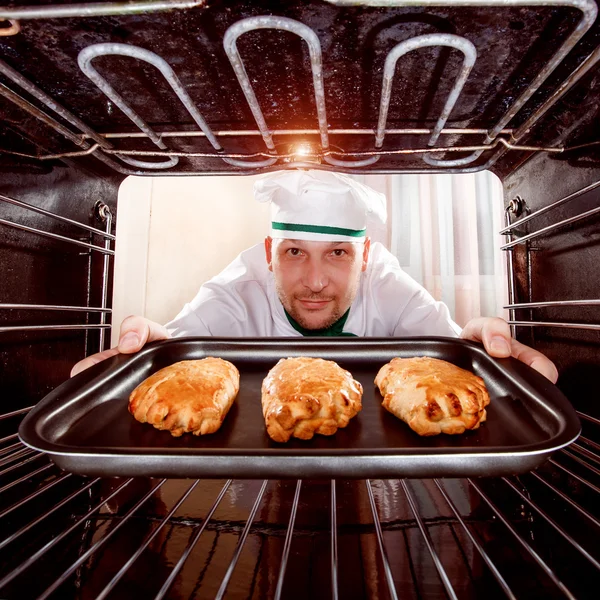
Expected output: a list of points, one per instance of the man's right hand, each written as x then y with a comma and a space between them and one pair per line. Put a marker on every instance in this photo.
135, 333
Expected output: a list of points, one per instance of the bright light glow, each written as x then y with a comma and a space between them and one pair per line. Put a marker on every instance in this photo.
303, 149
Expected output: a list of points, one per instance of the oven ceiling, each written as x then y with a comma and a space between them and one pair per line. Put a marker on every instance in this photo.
513, 45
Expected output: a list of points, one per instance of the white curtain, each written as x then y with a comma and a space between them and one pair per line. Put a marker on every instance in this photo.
444, 231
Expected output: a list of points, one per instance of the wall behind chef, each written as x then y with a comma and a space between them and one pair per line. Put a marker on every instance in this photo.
169, 242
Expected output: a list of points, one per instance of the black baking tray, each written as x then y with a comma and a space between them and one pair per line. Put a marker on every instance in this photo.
85, 427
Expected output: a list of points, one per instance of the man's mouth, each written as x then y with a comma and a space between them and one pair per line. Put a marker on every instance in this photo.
314, 303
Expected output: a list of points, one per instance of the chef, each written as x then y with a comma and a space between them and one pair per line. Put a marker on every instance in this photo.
318, 274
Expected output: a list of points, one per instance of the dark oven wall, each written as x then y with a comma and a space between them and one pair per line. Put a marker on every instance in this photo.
560, 266
516, 44
38, 270
65, 536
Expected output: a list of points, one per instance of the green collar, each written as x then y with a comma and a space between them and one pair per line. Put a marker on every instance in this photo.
334, 330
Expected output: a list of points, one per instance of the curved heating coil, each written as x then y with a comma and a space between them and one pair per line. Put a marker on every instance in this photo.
84, 60
314, 48
423, 41
88, 54
589, 12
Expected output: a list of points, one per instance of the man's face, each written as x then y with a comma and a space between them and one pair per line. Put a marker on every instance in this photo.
316, 281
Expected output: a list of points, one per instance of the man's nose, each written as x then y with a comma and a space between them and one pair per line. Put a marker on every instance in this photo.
315, 276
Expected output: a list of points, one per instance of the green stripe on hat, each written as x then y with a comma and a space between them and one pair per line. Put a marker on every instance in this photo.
318, 229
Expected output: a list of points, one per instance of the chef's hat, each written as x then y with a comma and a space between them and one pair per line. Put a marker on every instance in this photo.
319, 205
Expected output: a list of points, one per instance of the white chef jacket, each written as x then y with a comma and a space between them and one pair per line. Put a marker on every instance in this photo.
241, 301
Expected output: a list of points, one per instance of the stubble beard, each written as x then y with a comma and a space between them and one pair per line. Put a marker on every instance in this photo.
303, 321
335, 315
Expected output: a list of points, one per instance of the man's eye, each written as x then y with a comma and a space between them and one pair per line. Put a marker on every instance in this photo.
294, 251
339, 252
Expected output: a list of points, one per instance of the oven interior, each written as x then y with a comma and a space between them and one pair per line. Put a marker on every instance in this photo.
96, 91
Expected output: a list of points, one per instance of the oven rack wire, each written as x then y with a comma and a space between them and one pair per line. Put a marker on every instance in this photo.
21, 467
103, 214
513, 228
103, 149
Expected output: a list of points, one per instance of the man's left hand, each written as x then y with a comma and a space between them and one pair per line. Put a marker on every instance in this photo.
495, 335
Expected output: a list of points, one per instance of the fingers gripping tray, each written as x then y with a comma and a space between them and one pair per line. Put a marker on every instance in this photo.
85, 427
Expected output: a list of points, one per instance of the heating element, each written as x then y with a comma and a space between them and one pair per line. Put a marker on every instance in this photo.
350, 148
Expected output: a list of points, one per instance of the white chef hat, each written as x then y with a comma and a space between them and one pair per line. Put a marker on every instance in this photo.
319, 205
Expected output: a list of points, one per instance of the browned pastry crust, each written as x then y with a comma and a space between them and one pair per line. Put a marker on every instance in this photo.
191, 395
433, 396
303, 396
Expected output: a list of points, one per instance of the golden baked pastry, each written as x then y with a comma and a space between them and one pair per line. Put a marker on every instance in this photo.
433, 396
303, 396
188, 396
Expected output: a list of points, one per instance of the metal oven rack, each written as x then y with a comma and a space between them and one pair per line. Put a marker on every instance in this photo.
516, 206
104, 214
533, 536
